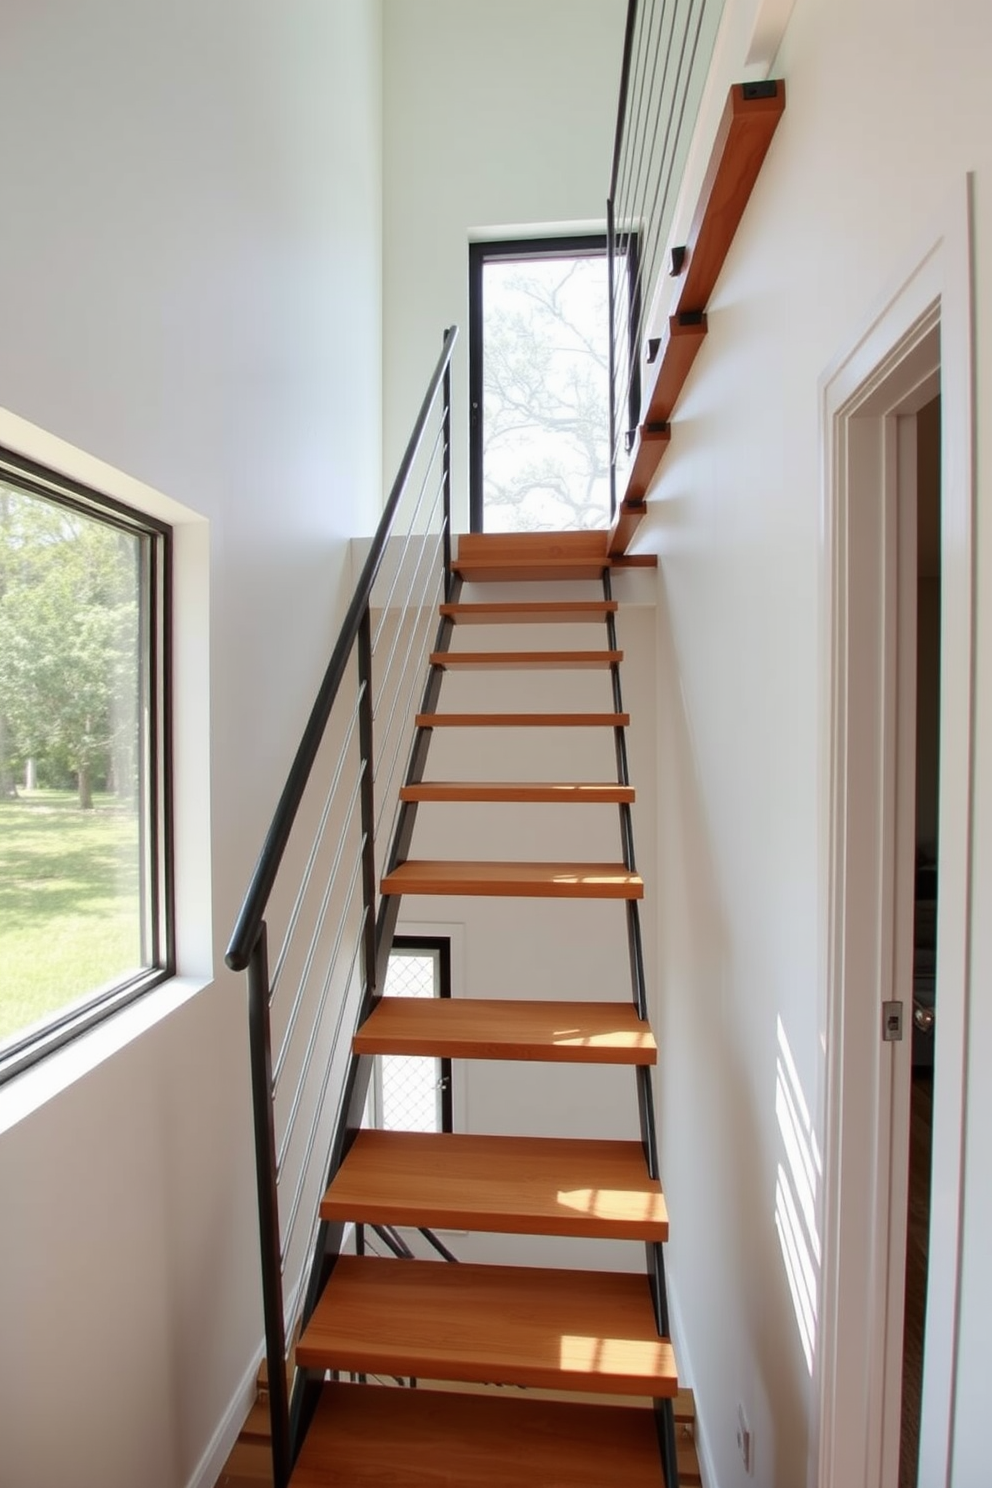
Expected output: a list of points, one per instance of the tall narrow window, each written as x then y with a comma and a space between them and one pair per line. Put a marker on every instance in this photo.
539, 385
412, 1092
85, 882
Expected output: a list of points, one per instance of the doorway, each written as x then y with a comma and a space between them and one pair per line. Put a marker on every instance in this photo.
922, 1030
917, 343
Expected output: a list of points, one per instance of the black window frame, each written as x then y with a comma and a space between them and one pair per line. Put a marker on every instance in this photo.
157, 870
574, 245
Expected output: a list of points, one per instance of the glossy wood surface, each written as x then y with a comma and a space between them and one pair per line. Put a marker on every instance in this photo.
530, 555
745, 133
517, 1185
523, 720
511, 1325
530, 612
368, 1437
515, 880
629, 516
649, 448
567, 793
665, 377
520, 661
491, 1028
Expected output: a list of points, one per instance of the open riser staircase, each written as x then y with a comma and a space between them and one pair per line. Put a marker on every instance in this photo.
587, 1334
539, 1373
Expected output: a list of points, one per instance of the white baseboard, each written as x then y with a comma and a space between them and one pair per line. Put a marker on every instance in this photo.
706, 1468
211, 1464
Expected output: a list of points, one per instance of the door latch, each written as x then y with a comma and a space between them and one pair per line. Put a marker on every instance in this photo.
891, 1022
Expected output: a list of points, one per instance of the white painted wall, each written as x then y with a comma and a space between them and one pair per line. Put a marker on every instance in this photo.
190, 290
867, 152
499, 116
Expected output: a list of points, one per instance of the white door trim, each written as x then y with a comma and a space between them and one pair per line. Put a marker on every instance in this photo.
859, 396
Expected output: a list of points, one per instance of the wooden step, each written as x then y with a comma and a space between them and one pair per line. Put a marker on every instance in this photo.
684, 1406
521, 661
512, 1185
650, 443
364, 1436
515, 880
517, 1325
489, 1028
531, 612
523, 720
496, 556
746, 129
674, 354
630, 513
570, 793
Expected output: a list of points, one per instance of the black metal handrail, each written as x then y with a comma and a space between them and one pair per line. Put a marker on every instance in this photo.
249, 921
668, 45
338, 971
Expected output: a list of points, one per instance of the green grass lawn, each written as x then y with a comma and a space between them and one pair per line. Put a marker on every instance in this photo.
69, 903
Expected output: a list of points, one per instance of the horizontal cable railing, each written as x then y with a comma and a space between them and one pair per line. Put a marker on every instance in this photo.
668, 46
314, 891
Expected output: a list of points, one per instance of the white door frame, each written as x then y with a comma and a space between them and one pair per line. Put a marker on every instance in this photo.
864, 1103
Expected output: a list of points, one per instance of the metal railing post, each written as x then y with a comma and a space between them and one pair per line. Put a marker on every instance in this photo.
446, 475
260, 1053
366, 748
612, 353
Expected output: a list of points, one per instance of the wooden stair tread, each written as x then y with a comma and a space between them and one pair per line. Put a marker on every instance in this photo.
522, 1325
510, 1185
683, 1403
515, 880
678, 344
518, 661
570, 792
511, 556
523, 720
749, 121
369, 1437
490, 1028
530, 612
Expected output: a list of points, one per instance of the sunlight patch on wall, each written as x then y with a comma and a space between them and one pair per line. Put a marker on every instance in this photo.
796, 1192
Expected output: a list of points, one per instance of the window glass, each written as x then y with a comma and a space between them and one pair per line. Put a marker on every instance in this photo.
82, 840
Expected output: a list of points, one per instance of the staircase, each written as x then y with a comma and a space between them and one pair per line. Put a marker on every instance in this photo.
588, 1337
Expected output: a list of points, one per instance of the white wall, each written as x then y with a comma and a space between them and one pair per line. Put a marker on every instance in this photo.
499, 114
190, 278
863, 160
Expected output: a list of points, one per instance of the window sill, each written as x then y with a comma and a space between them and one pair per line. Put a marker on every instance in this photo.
25, 1093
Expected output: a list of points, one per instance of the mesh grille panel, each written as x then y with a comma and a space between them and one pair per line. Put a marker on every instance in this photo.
411, 1097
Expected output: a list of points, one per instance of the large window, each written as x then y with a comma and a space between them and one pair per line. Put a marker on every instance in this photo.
539, 383
85, 884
